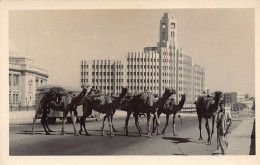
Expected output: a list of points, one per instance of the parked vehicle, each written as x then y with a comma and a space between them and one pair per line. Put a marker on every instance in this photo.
54, 115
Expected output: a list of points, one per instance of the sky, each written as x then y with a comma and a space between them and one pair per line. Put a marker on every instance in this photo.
220, 40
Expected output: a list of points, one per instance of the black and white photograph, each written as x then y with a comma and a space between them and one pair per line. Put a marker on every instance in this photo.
129, 81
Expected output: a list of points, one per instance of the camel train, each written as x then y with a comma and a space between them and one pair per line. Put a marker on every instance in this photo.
58, 99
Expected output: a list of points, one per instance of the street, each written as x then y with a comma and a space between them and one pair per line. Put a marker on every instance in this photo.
185, 143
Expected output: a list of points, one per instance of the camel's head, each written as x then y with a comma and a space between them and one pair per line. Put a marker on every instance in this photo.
183, 96
218, 95
124, 102
168, 92
124, 91
84, 88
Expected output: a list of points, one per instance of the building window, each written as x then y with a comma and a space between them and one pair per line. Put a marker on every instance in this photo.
10, 83
16, 80
15, 99
163, 25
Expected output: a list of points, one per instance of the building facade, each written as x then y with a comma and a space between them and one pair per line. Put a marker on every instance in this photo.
230, 97
109, 75
153, 69
24, 78
198, 80
188, 79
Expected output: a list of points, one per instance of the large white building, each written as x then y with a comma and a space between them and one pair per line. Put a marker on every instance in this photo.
153, 69
24, 78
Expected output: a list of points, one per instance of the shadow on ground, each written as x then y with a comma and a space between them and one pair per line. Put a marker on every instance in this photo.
178, 140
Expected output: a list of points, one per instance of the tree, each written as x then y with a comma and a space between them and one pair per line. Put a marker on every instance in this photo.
239, 106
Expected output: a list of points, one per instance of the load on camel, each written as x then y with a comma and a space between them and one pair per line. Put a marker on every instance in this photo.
59, 99
207, 107
170, 108
145, 103
106, 104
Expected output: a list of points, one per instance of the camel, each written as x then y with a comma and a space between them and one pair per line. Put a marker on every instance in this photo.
54, 94
170, 108
145, 103
105, 105
207, 109
66, 103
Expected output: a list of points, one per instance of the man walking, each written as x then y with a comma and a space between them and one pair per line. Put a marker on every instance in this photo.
223, 124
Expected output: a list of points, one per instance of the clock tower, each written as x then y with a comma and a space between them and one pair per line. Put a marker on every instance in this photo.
167, 48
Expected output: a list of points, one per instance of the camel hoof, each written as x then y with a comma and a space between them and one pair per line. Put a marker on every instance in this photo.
80, 132
104, 134
50, 130
149, 136
87, 134
112, 135
47, 133
158, 133
76, 134
63, 133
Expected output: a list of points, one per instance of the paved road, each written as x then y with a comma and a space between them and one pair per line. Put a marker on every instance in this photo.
186, 143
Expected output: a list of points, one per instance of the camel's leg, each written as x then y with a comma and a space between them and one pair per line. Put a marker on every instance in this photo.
110, 125
149, 125
65, 113
76, 114
47, 126
83, 123
72, 114
173, 124
137, 124
156, 115
126, 123
154, 129
102, 129
208, 130
200, 118
112, 115
166, 124
213, 124
34, 120
44, 121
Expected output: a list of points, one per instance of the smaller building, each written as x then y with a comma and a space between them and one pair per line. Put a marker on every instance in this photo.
230, 97
24, 78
